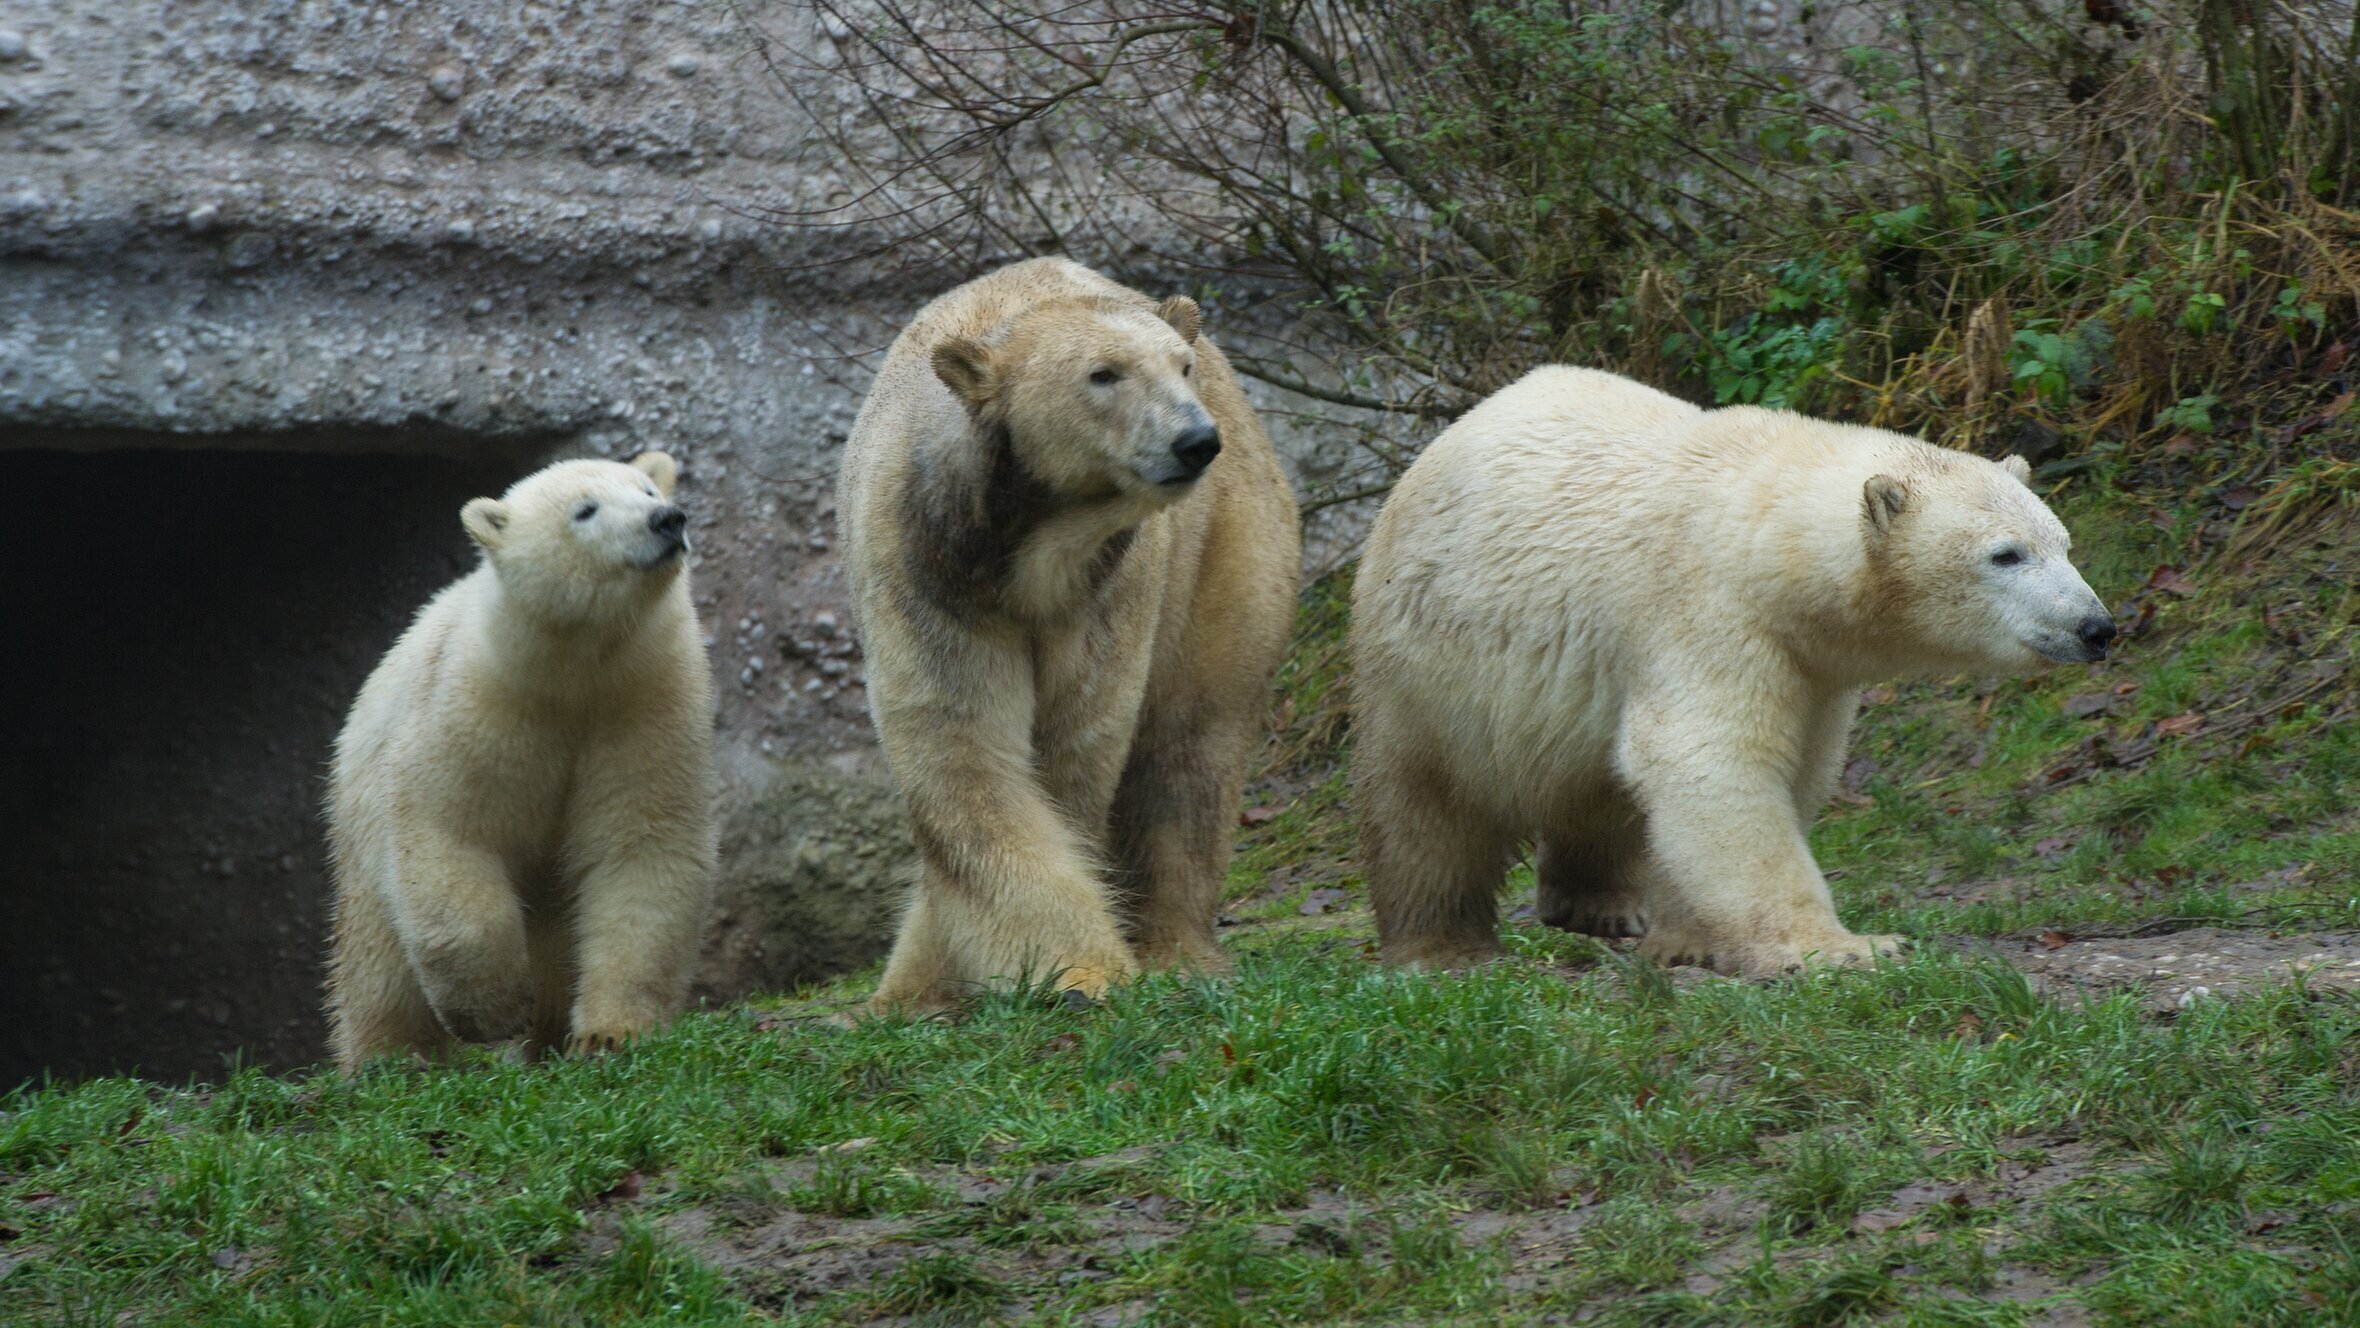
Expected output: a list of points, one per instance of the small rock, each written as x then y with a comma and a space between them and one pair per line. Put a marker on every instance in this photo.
710, 228
173, 367
203, 218
12, 44
249, 250
2190, 997
684, 64
824, 623
461, 230
225, 1257
447, 81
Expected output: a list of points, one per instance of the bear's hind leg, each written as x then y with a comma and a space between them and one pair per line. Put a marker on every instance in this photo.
1584, 889
1174, 829
375, 1006
1433, 864
1592, 871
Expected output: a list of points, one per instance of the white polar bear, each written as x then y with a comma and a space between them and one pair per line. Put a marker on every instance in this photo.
520, 816
1594, 616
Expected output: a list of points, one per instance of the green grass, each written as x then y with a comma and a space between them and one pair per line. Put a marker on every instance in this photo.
1320, 1140
1331, 1142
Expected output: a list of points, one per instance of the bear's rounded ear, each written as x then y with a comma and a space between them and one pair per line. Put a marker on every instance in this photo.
2018, 467
1883, 498
659, 467
1184, 316
965, 366
486, 520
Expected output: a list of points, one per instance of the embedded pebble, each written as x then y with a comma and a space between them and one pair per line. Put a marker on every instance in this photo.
684, 64
447, 81
710, 228
461, 230
12, 44
824, 623
203, 218
2190, 997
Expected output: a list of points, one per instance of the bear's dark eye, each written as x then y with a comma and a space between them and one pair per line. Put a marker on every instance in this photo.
1187, 369
2007, 558
585, 511
1105, 377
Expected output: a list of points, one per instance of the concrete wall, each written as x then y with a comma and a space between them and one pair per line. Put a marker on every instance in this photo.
281, 285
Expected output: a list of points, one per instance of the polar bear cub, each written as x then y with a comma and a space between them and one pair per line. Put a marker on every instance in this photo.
1635, 632
519, 817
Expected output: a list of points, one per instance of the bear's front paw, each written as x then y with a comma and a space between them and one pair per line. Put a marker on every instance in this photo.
599, 1041
1760, 959
1095, 979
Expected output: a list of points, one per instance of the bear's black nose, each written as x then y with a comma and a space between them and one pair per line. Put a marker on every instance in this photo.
2096, 632
672, 523
1195, 449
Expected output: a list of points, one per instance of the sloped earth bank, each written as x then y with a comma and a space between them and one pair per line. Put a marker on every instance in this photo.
781, 1258
1068, 1226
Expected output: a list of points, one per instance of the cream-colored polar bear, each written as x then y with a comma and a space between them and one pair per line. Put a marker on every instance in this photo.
1074, 557
520, 817
1633, 631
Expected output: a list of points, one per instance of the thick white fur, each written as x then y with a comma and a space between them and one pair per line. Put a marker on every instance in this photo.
520, 815
1070, 645
1597, 617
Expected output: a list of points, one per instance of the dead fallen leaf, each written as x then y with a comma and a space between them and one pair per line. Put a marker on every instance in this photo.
1257, 816
2239, 497
225, 1257
1123, 1087
1323, 900
624, 1190
2087, 704
2169, 578
2180, 726
2054, 940
848, 1145
2180, 445
2055, 846
1061, 1043
2333, 357
2342, 403
1878, 696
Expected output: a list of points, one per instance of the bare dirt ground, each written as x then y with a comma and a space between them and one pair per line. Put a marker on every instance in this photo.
2176, 969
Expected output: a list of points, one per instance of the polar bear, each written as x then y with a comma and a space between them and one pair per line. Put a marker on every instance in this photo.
1074, 558
1596, 617
520, 813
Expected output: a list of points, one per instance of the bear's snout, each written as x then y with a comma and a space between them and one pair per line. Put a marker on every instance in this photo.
669, 522
1195, 449
2096, 633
